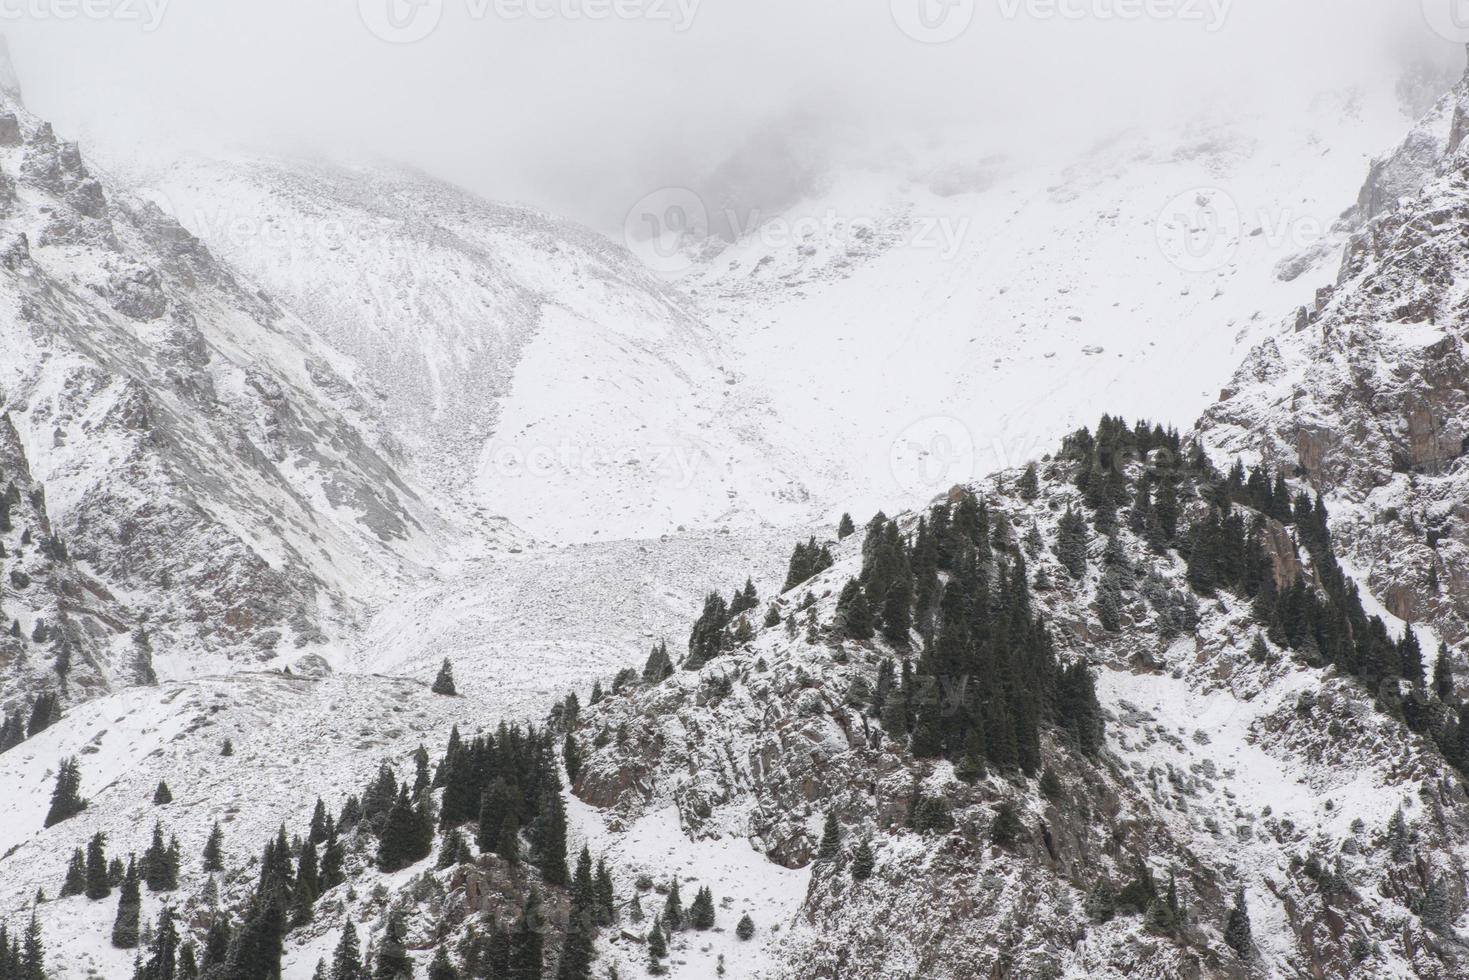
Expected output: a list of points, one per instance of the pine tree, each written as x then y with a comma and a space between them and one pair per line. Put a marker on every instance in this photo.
162, 960
1443, 674
161, 795
831, 838
66, 800
1028, 486
527, 942
845, 527
97, 883
508, 846
129, 905
746, 929
550, 836
32, 961
76, 876
1237, 927
862, 861
571, 755
657, 949
393, 961
444, 682
673, 913
1006, 827
227, 748
1071, 542
214, 849
701, 912
440, 968
1398, 840
347, 959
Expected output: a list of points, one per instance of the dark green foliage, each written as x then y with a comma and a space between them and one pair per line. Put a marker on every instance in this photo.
571, 755
845, 527
159, 866
673, 911
746, 928
1237, 927
527, 942
76, 876
1071, 543
129, 905
98, 886
393, 961
548, 833
831, 838
407, 833
66, 799
227, 748
659, 665
853, 614
710, 635
1028, 486
440, 968
162, 796
1443, 675
444, 682
161, 962
347, 958
1005, 829
701, 910
807, 560
214, 849
862, 861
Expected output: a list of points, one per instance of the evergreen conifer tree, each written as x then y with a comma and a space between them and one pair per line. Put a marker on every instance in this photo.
214, 849
129, 905
98, 886
162, 796
66, 799
862, 861
444, 682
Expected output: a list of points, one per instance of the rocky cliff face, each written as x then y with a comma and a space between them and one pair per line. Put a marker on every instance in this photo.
1227, 765
202, 454
58, 625
1368, 391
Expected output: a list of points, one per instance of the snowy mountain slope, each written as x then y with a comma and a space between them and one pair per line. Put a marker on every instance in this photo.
202, 454
1368, 391
1135, 278
520, 360
1234, 772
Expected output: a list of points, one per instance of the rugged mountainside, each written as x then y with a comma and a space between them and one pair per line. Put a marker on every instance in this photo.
1230, 762
1367, 390
519, 359
201, 452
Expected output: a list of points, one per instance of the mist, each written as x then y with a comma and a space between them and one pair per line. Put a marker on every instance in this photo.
580, 107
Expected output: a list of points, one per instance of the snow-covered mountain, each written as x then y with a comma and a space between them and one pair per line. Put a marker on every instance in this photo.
1120, 715
203, 454
525, 366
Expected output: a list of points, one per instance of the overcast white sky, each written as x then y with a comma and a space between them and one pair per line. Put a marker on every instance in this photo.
581, 115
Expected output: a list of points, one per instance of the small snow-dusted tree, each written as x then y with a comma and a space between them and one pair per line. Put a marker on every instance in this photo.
347, 958
746, 928
129, 905
214, 849
831, 838
162, 796
1237, 927
862, 861
444, 683
1028, 486
845, 527
1399, 843
66, 798
98, 886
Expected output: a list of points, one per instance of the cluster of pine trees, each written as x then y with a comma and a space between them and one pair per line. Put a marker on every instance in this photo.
23, 955
987, 678
21, 724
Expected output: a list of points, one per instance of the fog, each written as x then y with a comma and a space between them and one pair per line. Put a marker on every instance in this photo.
581, 106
